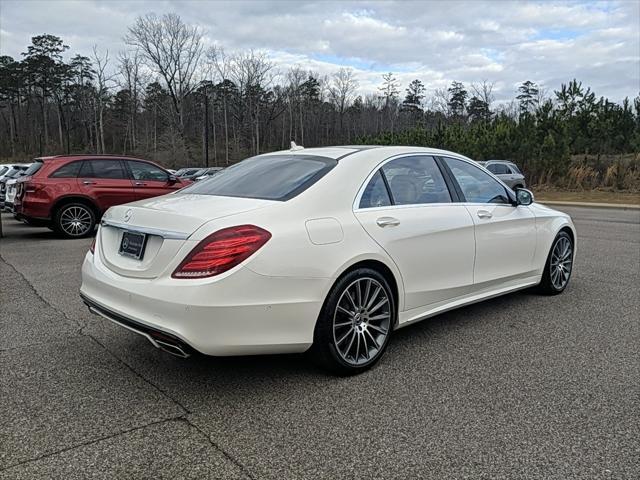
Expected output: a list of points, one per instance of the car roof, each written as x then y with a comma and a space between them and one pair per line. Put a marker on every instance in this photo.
339, 152
83, 156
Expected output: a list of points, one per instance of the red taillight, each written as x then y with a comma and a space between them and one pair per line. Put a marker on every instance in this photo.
92, 248
222, 251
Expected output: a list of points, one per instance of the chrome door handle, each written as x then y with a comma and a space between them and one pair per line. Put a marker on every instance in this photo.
484, 214
140, 184
387, 222
89, 182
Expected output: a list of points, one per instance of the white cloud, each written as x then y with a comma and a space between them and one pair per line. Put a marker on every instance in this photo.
438, 41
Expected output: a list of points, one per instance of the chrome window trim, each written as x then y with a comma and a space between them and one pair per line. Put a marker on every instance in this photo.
166, 234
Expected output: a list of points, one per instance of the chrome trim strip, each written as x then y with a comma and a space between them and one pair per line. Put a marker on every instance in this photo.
168, 234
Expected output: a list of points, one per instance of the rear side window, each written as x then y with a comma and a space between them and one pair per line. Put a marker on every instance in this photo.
102, 169
270, 177
70, 170
376, 194
416, 180
32, 169
515, 169
498, 169
3, 170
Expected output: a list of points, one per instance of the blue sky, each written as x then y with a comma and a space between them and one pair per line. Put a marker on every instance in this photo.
501, 42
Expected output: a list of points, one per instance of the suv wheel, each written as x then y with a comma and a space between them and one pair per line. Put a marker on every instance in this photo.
75, 220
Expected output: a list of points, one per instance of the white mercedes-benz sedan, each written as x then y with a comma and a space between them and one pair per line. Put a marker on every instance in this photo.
323, 249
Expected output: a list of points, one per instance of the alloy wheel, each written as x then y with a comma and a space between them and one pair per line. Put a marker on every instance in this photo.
75, 221
361, 321
561, 262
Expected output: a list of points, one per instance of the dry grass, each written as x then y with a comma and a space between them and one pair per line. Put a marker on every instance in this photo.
591, 196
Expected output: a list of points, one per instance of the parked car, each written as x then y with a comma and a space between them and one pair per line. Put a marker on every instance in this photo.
11, 172
188, 172
207, 172
328, 249
506, 171
69, 193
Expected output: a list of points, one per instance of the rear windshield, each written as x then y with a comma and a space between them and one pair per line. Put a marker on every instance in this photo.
33, 168
3, 170
271, 177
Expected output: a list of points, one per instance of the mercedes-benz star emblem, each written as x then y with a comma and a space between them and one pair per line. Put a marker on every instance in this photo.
127, 215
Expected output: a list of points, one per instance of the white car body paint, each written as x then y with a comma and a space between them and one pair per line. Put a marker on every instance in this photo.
441, 256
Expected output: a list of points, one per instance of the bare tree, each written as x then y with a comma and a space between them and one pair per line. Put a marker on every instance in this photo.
342, 91
104, 84
253, 73
220, 62
130, 71
173, 49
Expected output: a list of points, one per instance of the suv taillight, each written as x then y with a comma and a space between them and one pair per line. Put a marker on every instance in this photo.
221, 251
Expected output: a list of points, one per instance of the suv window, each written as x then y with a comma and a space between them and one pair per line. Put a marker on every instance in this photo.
415, 180
70, 170
270, 177
102, 169
515, 169
3, 169
147, 171
376, 194
476, 185
498, 169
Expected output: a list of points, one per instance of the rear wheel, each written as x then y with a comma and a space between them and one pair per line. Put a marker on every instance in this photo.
557, 270
75, 220
355, 323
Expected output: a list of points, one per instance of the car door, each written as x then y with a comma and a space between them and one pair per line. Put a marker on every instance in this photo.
106, 182
407, 208
150, 180
505, 234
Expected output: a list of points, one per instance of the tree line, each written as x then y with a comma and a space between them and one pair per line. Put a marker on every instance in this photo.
167, 97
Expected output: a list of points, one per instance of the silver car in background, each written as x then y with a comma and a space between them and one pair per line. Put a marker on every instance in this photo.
506, 171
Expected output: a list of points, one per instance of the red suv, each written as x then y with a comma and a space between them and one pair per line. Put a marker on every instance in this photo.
69, 194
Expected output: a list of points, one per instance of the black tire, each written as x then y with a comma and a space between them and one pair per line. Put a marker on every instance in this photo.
80, 211
549, 284
363, 325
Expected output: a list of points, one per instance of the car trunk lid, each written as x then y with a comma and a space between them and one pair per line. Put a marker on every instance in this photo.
166, 222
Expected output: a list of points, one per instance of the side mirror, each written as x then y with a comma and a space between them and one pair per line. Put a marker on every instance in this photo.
172, 179
524, 197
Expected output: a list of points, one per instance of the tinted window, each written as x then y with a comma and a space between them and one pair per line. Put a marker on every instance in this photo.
70, 170
102, 169
146, 171
3, 170
376, 194
415, 180
476, 185
498, 168
31, 169
515, 169
272, 177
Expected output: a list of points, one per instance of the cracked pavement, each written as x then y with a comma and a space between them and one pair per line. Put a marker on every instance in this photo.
521, 386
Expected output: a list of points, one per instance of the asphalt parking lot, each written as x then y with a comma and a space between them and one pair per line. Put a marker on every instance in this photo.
521, 386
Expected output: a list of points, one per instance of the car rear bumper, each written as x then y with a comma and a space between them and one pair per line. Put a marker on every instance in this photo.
243, 314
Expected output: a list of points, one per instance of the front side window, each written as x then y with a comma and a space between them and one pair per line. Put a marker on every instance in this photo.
147, 171
416, 180
111, 169
70, 170
476, 185
269, 177
376, 194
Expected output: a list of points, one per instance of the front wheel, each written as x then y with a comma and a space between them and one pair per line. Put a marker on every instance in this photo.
75, 220
557, 270
355, 324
